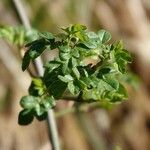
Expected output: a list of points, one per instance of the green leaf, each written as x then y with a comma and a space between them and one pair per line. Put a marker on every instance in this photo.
48, 102
29, 102
109, 79
39, 110
91, 95
66, 78
51, 65
74, 28
47, 35
37, 87
119, 95
76, 72
42, 117
71, 88
57, 88
78, 27
104, 86
25, 117
117, 46
92, 35
37, 105
121, 65
103, 71
120, 56
65, 68
64, 56
64, 48
124, 55
73, 62
90, 44
104, 36
122, 91
25, 61
36, 48
75, 53
90, 81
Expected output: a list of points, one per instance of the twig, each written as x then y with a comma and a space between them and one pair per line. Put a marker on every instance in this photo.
39, 66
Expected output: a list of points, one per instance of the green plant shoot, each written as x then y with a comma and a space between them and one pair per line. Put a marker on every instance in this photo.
88, 69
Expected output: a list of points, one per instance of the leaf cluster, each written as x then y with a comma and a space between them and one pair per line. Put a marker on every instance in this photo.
88, 67
18, 35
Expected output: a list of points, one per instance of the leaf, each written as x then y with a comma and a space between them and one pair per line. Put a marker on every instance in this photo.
78, 27
122, 91
109, 79
31, 35
74, 28
90, 44
51, 65
28, 102
71, 88
73, 62
103, 71
48, 102
37, 87
91, 95
25, 117
92, 35
66, 78
65, 68
124, 55
104, 36
39, 110
104, 86
121, 56
75, 53
117, 46
64, 56
76, 72
64, 49
90, 82
25, 61
121, 65
41, 117
36, 48
47, 35
81, 84
57, 88
119, 95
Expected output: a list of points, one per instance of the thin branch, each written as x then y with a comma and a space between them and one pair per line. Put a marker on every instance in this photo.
39, 66
22, 14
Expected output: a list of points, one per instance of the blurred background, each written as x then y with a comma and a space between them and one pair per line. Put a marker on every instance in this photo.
124, 127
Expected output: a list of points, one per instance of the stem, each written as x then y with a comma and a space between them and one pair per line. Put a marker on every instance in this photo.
39, 66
